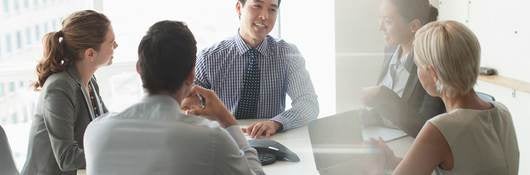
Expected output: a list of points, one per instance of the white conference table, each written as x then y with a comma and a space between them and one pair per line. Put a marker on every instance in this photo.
298, 141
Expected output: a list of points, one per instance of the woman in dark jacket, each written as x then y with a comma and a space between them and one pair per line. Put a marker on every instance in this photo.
398, 100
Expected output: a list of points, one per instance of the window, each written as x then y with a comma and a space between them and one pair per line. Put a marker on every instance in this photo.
28, 36
19, 40
1, 48
37, 33
26, 4
17, 5
14, 118
2, 90
55, 25
12, 87
9, 48
46, 28
25, 115
6, 6
17, 99
212, 23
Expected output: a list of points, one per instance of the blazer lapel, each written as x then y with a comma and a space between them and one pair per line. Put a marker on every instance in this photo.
389, 53
413, 77
72, 71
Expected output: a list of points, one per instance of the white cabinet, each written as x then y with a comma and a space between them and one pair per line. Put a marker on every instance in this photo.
454, 10
499, 28
519, 105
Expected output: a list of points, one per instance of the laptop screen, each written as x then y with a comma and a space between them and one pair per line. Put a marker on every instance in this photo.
336, 139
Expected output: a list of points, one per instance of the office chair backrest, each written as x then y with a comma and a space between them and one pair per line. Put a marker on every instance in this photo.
7, 164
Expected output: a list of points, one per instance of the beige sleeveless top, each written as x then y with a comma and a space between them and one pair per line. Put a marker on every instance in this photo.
482, 141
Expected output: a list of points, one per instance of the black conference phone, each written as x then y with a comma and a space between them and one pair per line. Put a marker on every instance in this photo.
269, 151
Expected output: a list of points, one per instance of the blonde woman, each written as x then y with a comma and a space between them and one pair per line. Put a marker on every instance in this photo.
474, 136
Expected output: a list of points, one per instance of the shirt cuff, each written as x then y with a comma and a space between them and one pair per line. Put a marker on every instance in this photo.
279, 120
237, 135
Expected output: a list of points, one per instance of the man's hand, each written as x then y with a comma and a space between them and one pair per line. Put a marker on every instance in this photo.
190, 102
262, 129
213, 108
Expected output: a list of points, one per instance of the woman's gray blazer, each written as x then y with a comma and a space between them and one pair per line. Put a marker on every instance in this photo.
61, 117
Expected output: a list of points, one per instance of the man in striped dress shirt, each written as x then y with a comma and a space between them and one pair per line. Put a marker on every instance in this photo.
253, 72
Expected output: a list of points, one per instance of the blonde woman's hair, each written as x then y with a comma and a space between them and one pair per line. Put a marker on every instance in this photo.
454, 52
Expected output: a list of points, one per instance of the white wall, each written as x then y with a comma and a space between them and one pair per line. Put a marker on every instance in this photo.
517, 103
359, 49
341, 44
504, 36
502, 30
309, 25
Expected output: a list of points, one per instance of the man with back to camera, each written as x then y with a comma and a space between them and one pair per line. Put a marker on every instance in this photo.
154, 136
252, 72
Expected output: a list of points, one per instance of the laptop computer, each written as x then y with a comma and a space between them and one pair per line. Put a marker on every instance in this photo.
337, 143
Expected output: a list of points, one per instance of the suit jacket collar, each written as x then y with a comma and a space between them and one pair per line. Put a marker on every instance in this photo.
72, 71
413, 76
409, 65
74, 74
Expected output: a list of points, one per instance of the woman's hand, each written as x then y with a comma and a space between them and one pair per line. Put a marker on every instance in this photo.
388, 156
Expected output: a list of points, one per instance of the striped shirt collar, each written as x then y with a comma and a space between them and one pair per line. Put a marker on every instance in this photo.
243, 47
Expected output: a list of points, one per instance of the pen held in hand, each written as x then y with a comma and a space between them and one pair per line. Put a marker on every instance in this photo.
202, 101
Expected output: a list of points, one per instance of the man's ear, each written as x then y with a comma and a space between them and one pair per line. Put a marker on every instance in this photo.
238, 8
415, 25
191, 77
138, 68
90, 54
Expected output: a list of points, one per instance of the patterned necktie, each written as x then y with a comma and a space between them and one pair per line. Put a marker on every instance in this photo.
248, 102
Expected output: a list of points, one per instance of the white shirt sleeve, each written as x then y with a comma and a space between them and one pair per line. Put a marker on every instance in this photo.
234, 155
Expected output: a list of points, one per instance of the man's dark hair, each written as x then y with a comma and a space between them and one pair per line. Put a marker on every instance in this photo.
166, 56
244, 1
416, 9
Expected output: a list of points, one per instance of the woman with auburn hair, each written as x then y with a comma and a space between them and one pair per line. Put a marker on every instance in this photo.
474, 136
69, 97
